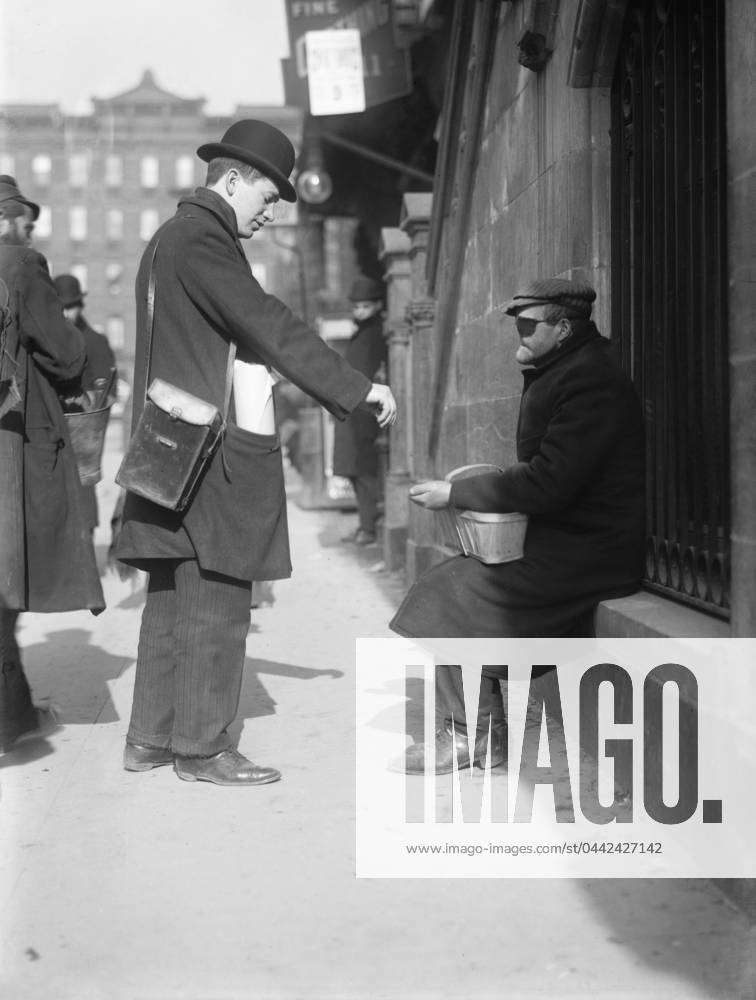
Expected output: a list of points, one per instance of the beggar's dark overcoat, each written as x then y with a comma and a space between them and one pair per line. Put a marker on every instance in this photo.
580, 478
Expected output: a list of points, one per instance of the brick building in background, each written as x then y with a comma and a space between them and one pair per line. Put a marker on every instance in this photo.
105, 181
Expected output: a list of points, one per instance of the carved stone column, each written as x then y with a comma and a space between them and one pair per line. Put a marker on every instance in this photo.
394, 252
415, 220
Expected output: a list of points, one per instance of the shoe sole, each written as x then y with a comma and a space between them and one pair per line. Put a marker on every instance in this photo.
146, 766
228, 784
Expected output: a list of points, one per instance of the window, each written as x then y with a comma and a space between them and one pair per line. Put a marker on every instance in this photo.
43, 225
42, 169
185, 172
7, 164
113, 274
78, 170
113, 171
79, 271
114, 330
150, 171
114, 224
77, 222
148, 223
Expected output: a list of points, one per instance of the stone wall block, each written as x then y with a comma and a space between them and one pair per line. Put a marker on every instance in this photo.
480, 210
514, 244
453, 446
475, 291
486, 360
507, 75
740, 31
519, 151
491, 431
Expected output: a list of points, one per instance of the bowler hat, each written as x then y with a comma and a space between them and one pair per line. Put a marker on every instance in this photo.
262, 146
366, 289
69, 290
9, 192
578, 296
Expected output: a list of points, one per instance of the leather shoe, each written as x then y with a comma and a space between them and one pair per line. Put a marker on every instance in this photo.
360, 537
229, 767
140, 758
364, 537
413, 759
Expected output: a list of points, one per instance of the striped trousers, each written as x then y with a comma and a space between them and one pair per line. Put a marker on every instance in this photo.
191, 658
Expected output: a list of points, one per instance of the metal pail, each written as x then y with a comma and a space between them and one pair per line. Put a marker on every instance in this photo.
87, 432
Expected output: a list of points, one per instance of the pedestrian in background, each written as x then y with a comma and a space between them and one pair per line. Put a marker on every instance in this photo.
100, 363
202, 561
355, 454
47, 562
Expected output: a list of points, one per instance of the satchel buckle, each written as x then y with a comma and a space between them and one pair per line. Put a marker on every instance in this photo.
175, 413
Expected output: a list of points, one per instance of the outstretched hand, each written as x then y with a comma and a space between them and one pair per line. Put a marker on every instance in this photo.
433, 494
382, 398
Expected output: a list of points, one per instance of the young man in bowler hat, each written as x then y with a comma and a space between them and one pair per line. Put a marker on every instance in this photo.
201, 562
579, 475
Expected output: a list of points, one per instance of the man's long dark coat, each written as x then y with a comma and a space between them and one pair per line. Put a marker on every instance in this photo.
100, 357
354, 450
47, 562
580, 478
207, 296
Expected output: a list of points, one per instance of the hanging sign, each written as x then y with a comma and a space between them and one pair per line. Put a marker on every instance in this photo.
335, 72
385, 63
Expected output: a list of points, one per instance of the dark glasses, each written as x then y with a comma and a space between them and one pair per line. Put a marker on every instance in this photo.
526, 327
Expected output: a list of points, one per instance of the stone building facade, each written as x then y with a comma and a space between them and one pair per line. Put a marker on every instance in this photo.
611, 141
105, 181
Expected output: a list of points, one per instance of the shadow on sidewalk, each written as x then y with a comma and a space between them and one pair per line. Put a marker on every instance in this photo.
659, 919
71, 673
26, 752
678, 927
255, 701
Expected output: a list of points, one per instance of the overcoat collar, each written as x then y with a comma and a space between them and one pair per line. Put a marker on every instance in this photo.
583, 333
210, 201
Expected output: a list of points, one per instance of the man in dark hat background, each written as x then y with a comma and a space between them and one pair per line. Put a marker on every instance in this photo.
579, 476
100, 360
355, 454
201, 562
47, 562
18, 212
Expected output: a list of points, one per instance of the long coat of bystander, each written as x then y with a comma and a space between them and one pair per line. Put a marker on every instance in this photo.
354, 450
47, 561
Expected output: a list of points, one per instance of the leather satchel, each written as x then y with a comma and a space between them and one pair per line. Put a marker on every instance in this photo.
176, 435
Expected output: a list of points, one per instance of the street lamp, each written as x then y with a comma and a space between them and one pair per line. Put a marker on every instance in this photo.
314, 184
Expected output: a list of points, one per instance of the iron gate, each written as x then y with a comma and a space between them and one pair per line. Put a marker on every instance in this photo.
669, 283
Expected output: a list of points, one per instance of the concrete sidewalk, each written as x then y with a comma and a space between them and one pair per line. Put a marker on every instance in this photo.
121, 886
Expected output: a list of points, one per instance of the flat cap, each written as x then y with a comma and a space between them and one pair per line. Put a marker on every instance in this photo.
575, 295
366, 289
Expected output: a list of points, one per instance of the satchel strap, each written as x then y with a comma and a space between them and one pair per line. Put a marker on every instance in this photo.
151, 292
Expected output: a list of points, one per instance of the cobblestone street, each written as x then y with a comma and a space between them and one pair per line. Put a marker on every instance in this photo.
123, 886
